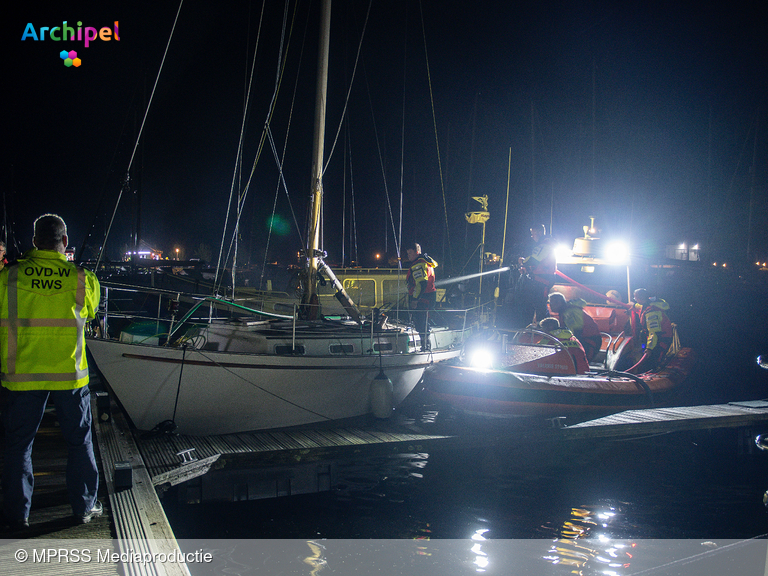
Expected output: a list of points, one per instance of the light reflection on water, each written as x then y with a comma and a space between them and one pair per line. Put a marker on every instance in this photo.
579, 509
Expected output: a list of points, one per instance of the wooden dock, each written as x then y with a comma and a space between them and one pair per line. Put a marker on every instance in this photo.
280, 463
133, 523
268, 464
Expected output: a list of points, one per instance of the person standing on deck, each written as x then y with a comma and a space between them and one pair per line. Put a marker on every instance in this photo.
421, 290
45, 302
537, 275
583, 326
652, 327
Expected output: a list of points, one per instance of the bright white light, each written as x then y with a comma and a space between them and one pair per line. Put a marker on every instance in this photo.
695, 247
478, 535
617, 252
562, 252
480, 358
682, 246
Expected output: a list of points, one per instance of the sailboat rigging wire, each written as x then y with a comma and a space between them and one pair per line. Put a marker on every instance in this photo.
381, 162
253, 384
281, 162
281, 178
506, 210
238, 156
399, 243
87, 237
353, 230
141, 130
349, 90
280, 71
437, 142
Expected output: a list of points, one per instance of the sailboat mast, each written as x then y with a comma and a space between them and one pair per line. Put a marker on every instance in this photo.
310, 300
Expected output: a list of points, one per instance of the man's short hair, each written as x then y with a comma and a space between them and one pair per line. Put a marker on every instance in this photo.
640, 293
416, 247
557, 297
548, 324
50, 229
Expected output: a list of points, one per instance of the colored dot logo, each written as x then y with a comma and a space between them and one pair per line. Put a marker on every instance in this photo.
70, 58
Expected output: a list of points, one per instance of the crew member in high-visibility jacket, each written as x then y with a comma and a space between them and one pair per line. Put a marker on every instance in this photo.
45, 303
569, 341
420, 281
572, 315
652, 327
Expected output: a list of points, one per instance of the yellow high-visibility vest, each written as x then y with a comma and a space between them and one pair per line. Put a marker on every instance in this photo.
46, 302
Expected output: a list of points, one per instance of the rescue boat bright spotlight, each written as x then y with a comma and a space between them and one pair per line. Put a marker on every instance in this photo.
617, 252
447, 281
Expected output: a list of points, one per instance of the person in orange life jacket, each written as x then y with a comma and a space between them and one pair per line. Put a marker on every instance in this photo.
569, 341
583, 326
539, 269
45, 302
421, 290
651, 328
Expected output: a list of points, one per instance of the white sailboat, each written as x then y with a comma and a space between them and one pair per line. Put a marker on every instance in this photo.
261, 372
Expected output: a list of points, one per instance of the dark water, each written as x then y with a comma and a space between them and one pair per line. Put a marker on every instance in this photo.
581, 508
683, 485
546, 504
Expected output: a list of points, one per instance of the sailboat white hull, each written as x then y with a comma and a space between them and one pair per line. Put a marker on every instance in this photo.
228, 392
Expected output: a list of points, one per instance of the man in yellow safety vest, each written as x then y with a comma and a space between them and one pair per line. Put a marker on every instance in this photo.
45, 302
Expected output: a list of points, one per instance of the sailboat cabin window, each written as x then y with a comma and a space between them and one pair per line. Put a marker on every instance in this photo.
363, 292
342, 349
383, 347
394, 290
288, 350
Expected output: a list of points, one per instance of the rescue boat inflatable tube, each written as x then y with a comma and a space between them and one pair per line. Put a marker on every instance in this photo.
382, 402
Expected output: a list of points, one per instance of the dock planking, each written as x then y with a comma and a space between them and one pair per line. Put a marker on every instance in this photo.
133, 521
51, 514
305, 445
661, 420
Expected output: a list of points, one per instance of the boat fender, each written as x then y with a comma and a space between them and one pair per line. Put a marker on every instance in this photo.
621, 353
382, 401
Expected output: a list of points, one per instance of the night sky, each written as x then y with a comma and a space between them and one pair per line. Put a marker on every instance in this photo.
647, 115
